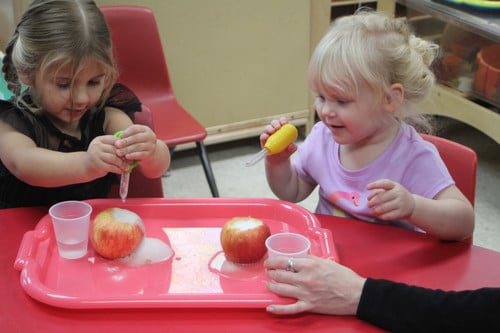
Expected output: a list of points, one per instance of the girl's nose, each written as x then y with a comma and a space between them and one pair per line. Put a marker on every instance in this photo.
80, 96
326, 109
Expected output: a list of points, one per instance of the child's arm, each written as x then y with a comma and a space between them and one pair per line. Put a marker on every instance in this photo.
138, 142
281, 176
448, 216
46, 168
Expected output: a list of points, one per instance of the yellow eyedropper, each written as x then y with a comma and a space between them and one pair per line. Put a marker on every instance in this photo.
276, 143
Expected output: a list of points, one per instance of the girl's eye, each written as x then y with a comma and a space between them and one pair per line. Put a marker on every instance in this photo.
94, 83
320, 99
62, 85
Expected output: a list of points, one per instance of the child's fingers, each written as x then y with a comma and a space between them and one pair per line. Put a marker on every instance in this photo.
374, 194
263, 137
383, 184
276, 123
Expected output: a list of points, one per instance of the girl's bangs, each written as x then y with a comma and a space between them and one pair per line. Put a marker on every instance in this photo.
331, 75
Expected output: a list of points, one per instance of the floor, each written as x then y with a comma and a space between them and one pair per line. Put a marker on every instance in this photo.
186, 178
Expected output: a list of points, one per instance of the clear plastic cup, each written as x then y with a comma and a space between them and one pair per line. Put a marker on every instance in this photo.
288, 244
71, 227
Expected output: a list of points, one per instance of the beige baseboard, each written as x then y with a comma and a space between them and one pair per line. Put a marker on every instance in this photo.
247, 129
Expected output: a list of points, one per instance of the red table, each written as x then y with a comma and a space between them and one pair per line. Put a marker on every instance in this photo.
372, 250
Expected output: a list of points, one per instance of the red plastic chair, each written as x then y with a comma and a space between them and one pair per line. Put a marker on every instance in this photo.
139, 185
143, 68
461, 161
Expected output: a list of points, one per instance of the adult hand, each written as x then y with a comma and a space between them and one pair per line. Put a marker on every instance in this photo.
319, 285
390, 200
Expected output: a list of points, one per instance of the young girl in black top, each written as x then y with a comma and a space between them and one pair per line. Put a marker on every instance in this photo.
56, 133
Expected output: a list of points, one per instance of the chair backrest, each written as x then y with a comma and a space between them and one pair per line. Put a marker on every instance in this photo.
461, 162
142, 66
138, 49
139, 185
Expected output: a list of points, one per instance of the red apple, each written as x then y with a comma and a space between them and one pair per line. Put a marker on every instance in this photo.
116, 232
243, 239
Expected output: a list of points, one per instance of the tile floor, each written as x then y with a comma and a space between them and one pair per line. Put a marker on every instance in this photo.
187, 180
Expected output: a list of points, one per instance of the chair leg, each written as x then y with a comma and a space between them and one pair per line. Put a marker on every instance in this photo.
207, 168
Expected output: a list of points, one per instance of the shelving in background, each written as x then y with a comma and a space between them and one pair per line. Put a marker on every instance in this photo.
461, 34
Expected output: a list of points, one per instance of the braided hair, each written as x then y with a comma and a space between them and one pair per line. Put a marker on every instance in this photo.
55, 33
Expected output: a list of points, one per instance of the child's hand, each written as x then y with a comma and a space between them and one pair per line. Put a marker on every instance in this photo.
137, 142
101, 158
270, 130
390, 201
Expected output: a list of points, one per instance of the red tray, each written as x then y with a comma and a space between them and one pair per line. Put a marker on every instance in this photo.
197, 275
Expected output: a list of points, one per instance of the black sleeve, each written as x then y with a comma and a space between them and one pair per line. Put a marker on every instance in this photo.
402, 308
121, 97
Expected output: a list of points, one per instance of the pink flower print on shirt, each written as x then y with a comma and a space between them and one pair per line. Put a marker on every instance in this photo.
335, 197
352, 197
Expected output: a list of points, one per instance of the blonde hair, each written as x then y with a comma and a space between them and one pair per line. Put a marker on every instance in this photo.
56, 33
377, 50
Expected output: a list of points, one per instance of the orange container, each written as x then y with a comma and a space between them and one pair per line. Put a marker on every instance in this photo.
487, 75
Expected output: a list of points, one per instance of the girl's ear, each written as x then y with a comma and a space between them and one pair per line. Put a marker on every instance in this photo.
394, 98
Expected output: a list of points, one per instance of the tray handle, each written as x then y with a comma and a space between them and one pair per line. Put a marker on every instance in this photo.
29, 245
325, 239
25, 250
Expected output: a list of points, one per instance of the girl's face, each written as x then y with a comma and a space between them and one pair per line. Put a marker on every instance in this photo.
353, 119
65, 103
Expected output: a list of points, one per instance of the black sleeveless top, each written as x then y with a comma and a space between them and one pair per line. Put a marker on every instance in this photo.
15, 193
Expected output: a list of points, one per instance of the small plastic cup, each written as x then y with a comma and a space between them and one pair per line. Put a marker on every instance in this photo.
71, 227
288, 244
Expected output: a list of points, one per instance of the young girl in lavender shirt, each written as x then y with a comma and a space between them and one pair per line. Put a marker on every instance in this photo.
368, 73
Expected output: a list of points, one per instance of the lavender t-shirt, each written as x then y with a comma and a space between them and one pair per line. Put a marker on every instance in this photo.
409, 160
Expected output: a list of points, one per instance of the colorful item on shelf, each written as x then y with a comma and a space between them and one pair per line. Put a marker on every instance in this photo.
449, 68
487, 75
479, 4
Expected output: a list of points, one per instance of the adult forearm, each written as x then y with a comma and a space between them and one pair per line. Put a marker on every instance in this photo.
402, 308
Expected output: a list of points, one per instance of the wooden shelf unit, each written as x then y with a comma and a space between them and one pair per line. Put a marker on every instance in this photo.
445, 24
